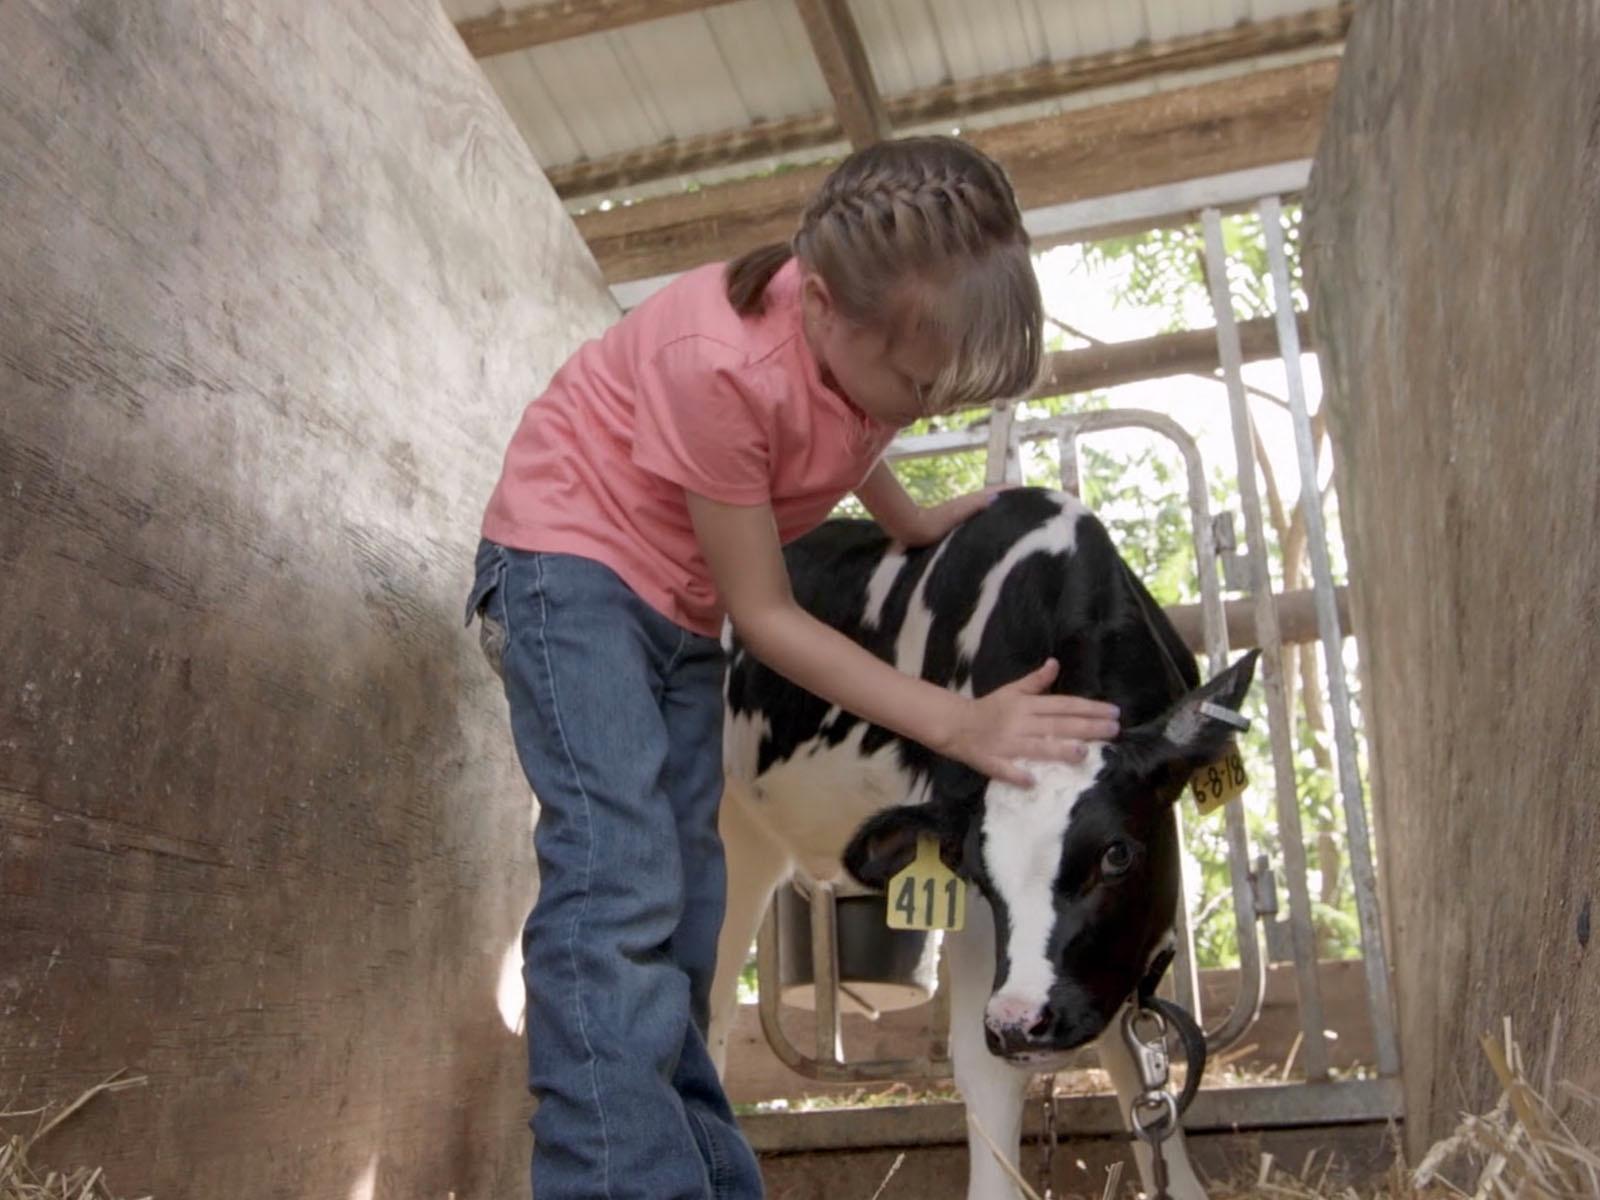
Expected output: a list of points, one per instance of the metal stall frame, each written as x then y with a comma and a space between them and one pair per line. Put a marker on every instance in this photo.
828, 1065
1318, 1099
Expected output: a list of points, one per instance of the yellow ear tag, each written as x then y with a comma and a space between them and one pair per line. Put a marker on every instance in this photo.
1217, 783
927, 894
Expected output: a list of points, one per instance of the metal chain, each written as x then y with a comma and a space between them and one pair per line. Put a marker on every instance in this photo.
1153, 1114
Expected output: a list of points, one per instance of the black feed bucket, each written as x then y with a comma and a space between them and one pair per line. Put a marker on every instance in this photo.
880, 969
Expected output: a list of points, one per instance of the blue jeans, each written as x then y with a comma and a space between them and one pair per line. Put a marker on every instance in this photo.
617, 717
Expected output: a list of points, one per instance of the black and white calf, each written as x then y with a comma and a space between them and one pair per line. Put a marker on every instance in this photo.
1076, 878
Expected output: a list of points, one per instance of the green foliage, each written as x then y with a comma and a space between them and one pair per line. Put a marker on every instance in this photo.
1165, 268
935, 480
1141, 499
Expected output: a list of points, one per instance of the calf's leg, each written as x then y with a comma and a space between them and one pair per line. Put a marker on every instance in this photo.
993, 1089
756, 864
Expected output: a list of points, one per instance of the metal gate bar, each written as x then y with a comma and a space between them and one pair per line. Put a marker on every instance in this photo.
1363, 877
1315, 1049
1252, 965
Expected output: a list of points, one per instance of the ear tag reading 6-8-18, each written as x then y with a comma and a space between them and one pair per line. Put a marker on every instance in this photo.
1218, 782
927, 894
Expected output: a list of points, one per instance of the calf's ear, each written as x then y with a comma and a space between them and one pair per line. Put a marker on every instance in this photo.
887, 842
1196, 730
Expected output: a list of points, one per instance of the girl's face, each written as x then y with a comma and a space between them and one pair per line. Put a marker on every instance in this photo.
884, 376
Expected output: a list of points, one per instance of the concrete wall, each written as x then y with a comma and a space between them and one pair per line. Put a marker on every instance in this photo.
276, 278
1454, 235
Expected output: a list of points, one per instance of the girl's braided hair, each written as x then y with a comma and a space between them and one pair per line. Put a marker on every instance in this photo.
921, 232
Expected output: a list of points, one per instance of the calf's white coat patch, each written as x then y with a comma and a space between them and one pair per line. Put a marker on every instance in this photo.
1055, 536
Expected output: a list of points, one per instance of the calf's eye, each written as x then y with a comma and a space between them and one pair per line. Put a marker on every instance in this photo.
1117, 859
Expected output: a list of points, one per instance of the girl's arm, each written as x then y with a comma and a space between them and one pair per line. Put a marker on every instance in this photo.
1017, 721
907, 522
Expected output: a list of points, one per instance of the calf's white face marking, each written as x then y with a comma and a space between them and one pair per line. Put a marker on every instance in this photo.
1024, 830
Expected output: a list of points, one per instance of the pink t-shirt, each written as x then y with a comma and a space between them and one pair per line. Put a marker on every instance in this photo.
682, 394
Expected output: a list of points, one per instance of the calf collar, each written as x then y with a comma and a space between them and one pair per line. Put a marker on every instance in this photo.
1152, 977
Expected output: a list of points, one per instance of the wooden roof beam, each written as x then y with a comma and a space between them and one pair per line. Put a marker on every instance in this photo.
836, 42
1187, 352
1297, 620
507, 30
957, 101
1254, 120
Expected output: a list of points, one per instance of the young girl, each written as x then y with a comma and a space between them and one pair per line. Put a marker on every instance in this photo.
646, 495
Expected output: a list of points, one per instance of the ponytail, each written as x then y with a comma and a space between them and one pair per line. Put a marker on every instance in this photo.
748, 275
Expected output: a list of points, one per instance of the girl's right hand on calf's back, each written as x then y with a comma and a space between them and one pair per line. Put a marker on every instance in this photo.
1023, 721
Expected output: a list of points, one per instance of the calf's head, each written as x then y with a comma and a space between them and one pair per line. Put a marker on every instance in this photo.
1081, 870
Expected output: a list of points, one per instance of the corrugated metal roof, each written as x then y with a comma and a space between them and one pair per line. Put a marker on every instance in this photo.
729, 66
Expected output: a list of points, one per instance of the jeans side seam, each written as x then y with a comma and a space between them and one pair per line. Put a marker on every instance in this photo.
717, 1167
583, 909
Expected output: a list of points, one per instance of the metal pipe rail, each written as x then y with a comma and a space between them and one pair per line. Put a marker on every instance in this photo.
828, 1063
1362, 873
1315, 1050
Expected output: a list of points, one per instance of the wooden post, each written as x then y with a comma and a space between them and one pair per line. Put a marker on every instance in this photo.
836, 42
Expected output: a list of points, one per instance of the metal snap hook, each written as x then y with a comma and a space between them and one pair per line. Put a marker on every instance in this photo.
1153, 1116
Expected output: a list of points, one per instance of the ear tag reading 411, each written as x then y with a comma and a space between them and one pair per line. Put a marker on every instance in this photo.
927, 894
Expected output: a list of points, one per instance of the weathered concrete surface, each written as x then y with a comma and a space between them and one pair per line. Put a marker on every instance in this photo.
276, 278
1454, 239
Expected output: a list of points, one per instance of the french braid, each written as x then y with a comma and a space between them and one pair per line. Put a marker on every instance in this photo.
932, 222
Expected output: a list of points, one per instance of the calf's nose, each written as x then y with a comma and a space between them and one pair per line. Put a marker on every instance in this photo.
1011, 1018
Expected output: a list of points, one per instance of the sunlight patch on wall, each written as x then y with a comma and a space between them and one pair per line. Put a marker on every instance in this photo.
509, 996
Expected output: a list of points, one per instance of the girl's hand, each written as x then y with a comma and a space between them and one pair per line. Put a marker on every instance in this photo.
1021, 721
933, 523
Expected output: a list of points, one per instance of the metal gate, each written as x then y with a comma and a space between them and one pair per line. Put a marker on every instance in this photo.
1320, 1099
